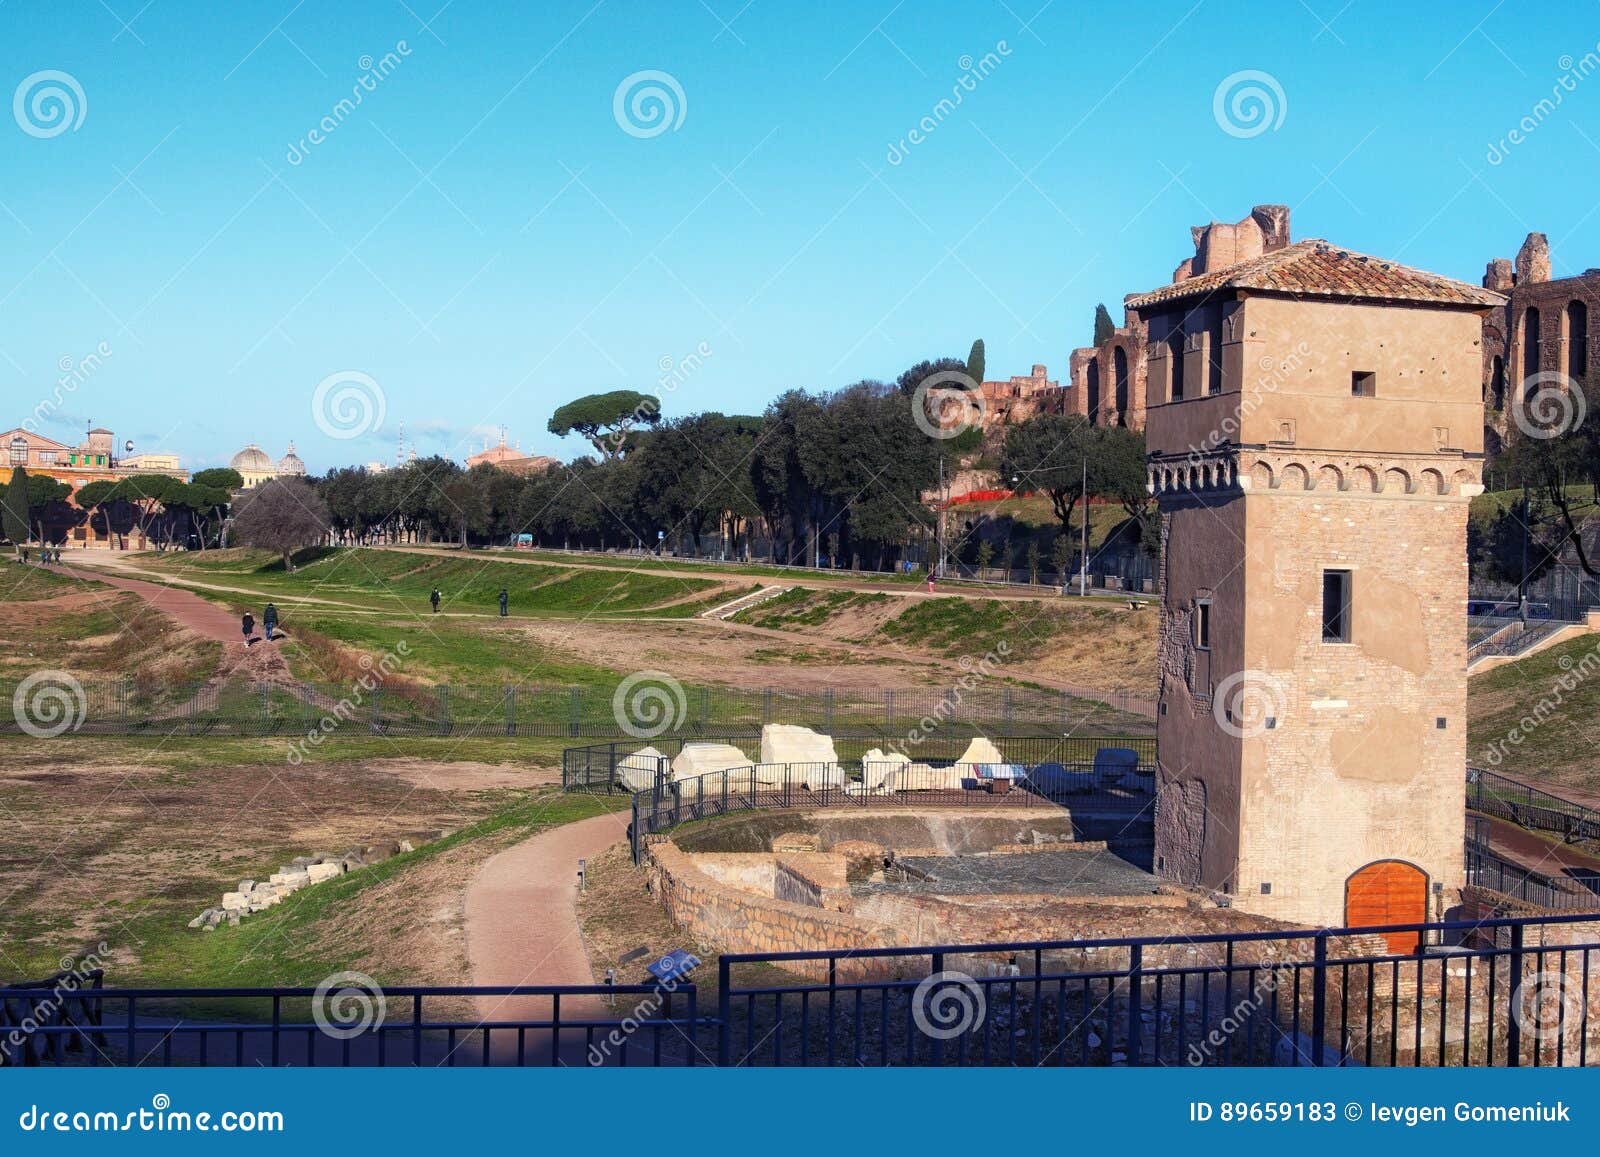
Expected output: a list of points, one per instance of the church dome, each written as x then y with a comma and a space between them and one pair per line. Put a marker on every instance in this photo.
251, 460
291, 464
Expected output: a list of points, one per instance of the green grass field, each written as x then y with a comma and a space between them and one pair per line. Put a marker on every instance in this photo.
389, 580
1538, 717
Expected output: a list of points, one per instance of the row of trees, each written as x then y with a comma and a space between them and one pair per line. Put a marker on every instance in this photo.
164, 510
844, 473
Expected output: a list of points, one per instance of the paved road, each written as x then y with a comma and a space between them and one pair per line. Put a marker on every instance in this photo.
522, 920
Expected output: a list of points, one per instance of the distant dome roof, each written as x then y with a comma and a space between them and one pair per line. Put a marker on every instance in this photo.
291, 463
252, 460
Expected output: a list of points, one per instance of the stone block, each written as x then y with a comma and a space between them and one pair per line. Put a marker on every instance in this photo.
787, 743
234, 901
697, 759
637, 772
321, 872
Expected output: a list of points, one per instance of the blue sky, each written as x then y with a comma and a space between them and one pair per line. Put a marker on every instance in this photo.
482, 239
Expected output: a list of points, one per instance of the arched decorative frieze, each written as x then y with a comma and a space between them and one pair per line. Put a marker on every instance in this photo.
1430, 482
1364, 480
1330, 478
1396, 481
1294, 477
1261, 476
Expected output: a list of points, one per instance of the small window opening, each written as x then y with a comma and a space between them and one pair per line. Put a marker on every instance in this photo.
1335, 606
1363, 384
1202, 625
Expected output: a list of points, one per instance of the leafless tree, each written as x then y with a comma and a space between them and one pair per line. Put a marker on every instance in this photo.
282, 516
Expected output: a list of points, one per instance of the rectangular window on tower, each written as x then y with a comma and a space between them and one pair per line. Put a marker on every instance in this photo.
1336, 606
1363, 384
1202, 625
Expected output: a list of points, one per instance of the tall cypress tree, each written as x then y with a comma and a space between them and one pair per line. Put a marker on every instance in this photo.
1104, 327
14, 508
975, 362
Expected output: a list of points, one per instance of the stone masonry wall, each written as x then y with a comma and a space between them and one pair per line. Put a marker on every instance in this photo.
738, 921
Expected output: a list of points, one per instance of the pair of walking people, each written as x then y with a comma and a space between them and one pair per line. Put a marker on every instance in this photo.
269, 622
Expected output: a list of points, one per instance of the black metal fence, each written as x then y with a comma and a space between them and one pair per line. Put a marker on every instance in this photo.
614, 766
1126, 793
131, 707
1492, 794
1503, 992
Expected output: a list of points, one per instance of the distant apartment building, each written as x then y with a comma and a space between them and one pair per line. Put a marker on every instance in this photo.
95, 459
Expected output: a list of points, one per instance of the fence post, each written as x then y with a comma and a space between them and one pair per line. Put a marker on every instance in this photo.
1515, 1005
1135, 1004
444, 709
576, 697
1005, 699
888, 709
766, 705
827, 710
1319, 996
511, 710
724, 1015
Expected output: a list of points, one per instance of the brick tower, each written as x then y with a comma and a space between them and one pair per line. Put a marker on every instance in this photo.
1315, 435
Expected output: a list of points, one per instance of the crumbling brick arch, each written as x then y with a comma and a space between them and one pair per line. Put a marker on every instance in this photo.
1121, 398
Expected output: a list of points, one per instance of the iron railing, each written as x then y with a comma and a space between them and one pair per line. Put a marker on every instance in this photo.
1489, 870
1503, 992
622, 1024
132, 707
1490, 793
601, 766
1495, 992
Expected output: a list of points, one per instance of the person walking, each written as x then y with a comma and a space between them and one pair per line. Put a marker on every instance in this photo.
248, 623
930, 580
434, 599
269, 620
505, 598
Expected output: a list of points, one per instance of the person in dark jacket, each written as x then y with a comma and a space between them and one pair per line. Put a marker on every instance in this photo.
505, 598
248, 623
434, 599
269, 620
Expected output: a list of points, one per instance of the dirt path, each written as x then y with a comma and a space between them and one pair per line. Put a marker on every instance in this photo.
522, 919
261, 662
799, 578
